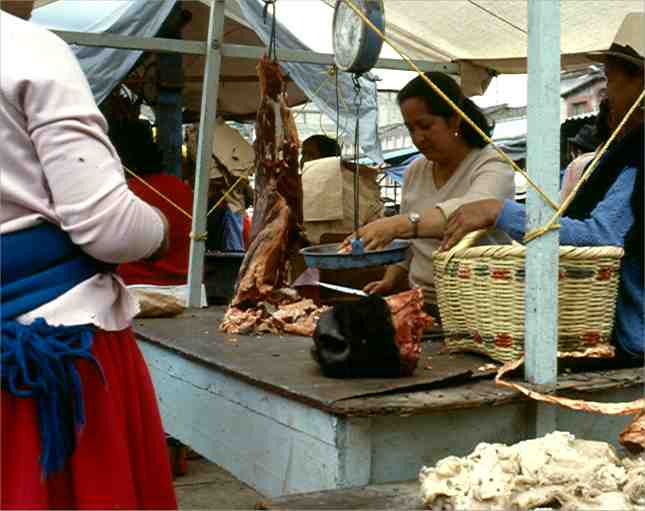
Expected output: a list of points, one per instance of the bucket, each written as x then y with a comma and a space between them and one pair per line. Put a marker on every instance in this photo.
220, 275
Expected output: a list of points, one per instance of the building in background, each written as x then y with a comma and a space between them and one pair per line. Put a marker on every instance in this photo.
582, 91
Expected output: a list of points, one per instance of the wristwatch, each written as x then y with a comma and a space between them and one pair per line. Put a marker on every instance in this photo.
414, 219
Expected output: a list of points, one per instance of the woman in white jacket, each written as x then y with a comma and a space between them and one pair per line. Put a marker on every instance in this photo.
80, 424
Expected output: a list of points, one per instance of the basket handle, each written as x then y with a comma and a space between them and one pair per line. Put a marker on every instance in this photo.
465, 243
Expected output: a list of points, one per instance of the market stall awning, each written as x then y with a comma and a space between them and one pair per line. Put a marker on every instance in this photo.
493, 33
238, 95
106, 67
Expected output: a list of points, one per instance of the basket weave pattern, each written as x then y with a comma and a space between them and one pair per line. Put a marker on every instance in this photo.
480, 291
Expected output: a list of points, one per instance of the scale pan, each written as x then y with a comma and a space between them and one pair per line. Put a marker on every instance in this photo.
327, 257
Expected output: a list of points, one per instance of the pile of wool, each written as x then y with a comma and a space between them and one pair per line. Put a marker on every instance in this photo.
557, 471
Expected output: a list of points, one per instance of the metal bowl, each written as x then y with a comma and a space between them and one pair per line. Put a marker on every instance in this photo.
327, 257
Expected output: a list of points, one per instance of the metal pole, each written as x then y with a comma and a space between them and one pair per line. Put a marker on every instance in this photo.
237, 51
543, 162
205, 151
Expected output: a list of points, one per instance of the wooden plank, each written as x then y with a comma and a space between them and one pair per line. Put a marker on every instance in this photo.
385, 496
486, 393
220, 385
276, 445
279, 445
284, 364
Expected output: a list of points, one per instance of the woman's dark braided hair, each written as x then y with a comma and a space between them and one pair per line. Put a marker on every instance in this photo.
418, 88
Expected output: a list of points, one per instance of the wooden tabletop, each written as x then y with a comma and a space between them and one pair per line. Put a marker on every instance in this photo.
283, 364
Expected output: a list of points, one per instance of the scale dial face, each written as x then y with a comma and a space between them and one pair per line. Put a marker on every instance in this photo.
356, 46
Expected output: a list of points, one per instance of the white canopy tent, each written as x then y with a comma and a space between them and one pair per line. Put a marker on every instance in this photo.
493, 34
106, 67
481, 37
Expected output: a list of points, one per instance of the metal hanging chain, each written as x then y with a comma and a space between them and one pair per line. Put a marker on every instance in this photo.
273, 37
338, 112
359, 100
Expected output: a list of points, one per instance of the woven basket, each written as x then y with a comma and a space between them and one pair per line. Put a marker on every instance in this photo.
480, 290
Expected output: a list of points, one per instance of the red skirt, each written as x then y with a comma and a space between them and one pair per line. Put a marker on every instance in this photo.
121, 460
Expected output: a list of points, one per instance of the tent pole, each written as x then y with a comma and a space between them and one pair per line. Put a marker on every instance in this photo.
543, 162
239, 51
205, 151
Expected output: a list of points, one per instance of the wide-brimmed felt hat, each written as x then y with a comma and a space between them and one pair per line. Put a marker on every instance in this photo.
629, 43
584, 138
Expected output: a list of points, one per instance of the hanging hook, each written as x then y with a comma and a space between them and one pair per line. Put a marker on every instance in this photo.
273, 43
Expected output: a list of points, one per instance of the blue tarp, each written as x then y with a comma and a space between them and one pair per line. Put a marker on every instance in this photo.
397, 172
105, 68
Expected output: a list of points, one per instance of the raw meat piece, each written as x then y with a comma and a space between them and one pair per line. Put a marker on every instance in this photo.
277, 214
238, 321
409, 323
633, 437
298, 318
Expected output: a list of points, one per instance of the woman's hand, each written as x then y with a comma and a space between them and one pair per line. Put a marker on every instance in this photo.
379, 287
378, 234
392, 280
470, 217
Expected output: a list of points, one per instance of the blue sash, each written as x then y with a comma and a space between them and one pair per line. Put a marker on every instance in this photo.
40, 264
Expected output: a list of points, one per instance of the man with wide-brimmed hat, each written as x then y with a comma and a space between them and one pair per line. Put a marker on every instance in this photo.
608, 208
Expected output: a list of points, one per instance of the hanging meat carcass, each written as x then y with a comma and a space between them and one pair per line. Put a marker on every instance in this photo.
277, 212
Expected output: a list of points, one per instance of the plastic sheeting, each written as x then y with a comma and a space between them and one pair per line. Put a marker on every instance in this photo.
397, 172
494, 33
106, 67
313, 79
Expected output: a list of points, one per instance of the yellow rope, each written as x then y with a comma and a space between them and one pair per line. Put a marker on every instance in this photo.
198, 237
224, 195
458, 110
550, 225
179, 208
143, 181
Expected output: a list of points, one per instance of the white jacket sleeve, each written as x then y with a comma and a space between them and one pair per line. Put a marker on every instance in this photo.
82, 170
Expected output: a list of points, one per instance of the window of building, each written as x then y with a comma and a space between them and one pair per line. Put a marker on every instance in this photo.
580, 108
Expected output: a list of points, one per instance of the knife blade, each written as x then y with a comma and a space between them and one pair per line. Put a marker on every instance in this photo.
343, 289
